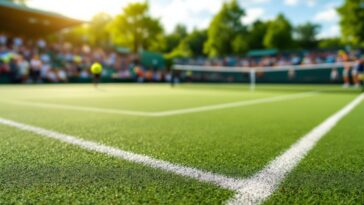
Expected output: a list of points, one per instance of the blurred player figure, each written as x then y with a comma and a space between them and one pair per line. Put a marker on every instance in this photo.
357, 71
345, 59
174, 77
96, 70
360, 73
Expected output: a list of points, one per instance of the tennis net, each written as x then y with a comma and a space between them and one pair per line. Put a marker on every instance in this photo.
299, 74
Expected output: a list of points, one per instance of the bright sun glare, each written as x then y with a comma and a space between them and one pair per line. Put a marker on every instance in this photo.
81, 9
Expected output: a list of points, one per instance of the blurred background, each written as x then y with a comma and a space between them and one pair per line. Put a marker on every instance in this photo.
48, 41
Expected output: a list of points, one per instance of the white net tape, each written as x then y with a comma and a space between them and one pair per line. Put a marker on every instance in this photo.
259, 69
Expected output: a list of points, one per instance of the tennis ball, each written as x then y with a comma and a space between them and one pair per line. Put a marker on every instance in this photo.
96, 68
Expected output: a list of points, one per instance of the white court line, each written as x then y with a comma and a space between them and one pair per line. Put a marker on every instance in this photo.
236, 104
259, 187
171, 112
204, 176
253, 190
83, 109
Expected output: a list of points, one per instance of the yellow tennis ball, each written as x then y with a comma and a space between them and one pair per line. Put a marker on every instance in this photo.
96, 68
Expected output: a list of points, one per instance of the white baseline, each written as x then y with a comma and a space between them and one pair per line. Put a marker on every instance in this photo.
253, 190
171, 112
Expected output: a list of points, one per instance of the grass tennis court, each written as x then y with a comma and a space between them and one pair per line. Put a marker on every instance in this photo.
222, 129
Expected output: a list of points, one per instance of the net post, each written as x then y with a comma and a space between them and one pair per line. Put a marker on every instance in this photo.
252, 79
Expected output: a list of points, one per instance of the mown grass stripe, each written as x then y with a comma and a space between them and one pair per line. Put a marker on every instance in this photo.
171, 112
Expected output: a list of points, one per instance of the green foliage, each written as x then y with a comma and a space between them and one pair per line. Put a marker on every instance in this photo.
171, 42
196, 41
257, 33
182, 51
331, 43
306, 35
180, 31
94, 33
352, 24
175, 38
225, 27
240, 44
279, 34
77, 35
98, 32
191, 45
226, 35
159, 44
135, 28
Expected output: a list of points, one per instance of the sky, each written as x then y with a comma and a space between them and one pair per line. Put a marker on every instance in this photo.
198, 13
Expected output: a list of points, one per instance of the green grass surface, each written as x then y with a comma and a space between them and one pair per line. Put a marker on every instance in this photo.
235, 142
333, 173
35, 170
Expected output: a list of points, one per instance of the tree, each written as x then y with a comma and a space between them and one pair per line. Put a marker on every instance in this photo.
279, 33
175, 38
225, 27
306, 35
159, 44
99, 35
135, 28
196, 40
256, 34
190, 46
182, 51
331, 43
240, 44
180, 31
352, 24
77, 35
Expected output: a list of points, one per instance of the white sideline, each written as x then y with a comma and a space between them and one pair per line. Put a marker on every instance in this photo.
259, 187
236, 104
84, 109
253, 190
204, 176
171, 112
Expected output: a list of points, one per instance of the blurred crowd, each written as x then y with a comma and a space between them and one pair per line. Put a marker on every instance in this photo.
281, 59
36, 61
352, 63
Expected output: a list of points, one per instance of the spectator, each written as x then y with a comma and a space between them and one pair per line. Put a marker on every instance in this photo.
35, 69
60, 62
13, 70
23, 67
3, 40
